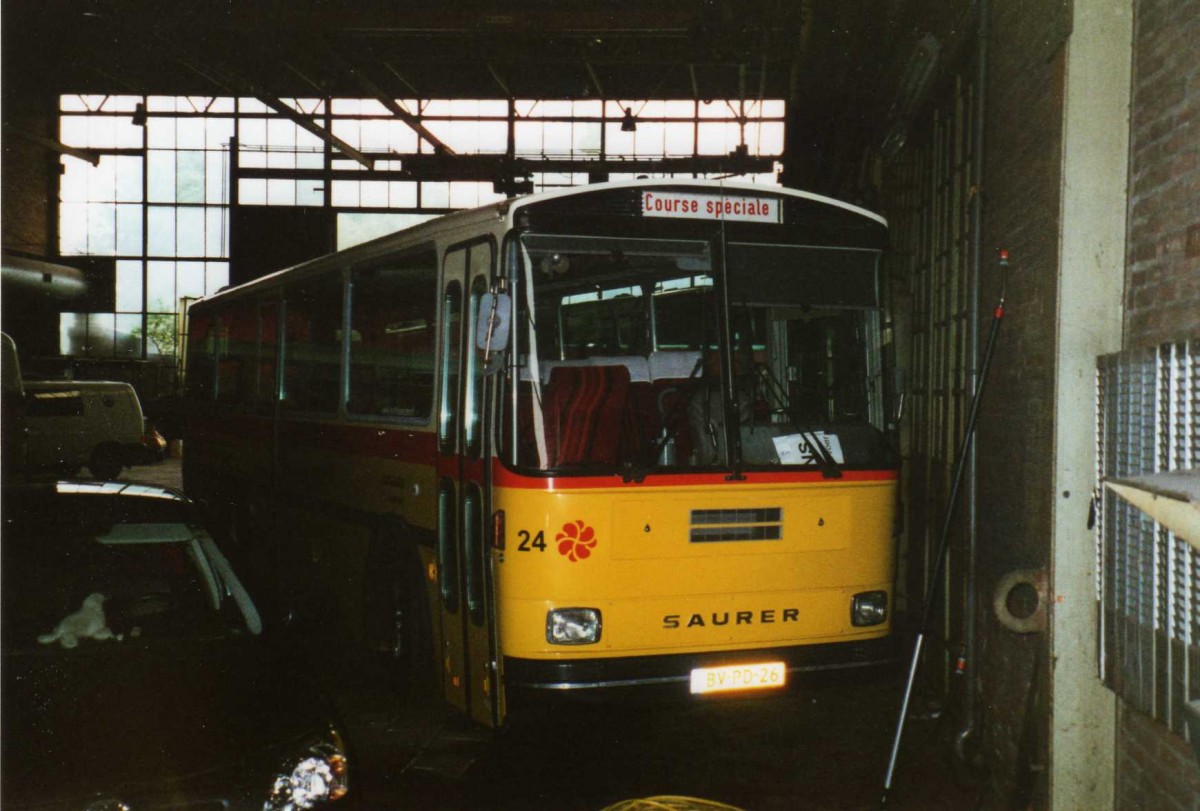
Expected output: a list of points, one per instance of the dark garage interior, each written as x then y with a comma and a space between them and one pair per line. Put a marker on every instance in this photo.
1040, 157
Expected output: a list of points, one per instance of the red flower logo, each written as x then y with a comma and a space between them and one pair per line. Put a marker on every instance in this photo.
576, 540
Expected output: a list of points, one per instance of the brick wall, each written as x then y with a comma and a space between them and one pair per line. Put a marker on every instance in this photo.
1155, 768
1015, 440
1163, 263
1156, 771
1022, 201
29, 173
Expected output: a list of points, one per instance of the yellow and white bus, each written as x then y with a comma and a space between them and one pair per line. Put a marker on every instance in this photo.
502, 439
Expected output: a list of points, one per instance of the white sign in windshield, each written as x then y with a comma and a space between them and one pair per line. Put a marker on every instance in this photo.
797, 449
710, 207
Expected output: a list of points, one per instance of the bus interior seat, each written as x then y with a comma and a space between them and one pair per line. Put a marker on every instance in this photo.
672, 374
587, 412
594, 423
666, 364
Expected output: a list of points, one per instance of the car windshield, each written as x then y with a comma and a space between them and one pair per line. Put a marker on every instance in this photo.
621, 365
94, 571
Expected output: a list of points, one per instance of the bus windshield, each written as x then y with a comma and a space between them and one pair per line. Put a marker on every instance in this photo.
619, 364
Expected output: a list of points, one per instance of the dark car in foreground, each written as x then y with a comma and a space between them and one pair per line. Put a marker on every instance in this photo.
135, 673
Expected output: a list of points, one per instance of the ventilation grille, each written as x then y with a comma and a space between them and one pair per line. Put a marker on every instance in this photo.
757, 524
1148, 580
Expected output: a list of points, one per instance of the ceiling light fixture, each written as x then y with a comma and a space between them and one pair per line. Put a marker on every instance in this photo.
628, 123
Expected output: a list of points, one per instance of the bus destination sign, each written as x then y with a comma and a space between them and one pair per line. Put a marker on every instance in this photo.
658, 203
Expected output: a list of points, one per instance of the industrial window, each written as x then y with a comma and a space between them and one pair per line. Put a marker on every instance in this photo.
930, 231
157, 199
268, 141
1148, 580
356, 227
100, 211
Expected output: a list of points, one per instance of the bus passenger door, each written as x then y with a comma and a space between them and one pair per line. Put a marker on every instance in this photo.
468, 648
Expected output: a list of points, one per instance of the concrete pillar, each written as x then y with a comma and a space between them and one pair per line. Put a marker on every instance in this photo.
1092, 260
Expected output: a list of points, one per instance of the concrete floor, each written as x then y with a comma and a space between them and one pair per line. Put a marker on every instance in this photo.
820, 746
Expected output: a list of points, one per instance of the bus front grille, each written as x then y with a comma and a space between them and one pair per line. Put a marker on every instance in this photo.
756, 524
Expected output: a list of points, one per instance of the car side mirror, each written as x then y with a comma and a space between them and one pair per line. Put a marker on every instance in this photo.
494, 324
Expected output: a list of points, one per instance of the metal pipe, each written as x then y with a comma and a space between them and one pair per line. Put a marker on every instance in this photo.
971, 601
908, 688
932, 593
54, 281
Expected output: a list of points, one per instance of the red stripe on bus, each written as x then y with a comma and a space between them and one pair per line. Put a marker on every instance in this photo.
237, 428
503, 477
468, 469
389, 442
404, 445
420, 447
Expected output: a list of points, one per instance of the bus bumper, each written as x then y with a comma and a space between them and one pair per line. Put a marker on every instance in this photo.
632, 671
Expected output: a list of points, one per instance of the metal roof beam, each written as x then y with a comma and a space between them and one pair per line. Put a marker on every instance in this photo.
497, 167
304, 77
305, 123
401, 78
384, 98
595, 79
240, 86
499, 80
89, 155
404, 115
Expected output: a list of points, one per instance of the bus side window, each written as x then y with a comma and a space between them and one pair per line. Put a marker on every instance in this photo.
393, 307
200, 347
268, 353
313, 346
236, 353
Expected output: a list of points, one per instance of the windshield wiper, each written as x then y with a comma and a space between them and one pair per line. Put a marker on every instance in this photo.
632, 472
830, 469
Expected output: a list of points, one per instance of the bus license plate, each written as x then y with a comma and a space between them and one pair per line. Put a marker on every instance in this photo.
756, 676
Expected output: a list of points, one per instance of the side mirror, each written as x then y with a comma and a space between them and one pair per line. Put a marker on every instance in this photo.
494, 324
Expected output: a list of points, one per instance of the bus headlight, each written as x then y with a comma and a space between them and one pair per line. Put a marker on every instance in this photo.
868, 608
573, 626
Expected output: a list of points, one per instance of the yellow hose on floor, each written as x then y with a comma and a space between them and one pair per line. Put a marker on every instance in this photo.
668, 803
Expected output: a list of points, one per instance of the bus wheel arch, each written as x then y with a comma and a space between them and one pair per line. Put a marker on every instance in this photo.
253, 546
397, 623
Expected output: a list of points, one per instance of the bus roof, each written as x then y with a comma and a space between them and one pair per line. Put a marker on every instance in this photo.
506, 210
712, 185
